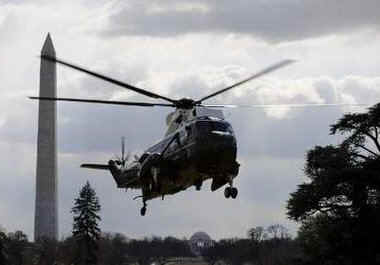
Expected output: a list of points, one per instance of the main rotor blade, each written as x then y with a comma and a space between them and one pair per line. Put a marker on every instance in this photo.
96, 166
262, 72
111, 80
281, 105
127, 103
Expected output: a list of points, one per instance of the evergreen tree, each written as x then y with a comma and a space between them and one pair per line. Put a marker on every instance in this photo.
340, 204
85, 228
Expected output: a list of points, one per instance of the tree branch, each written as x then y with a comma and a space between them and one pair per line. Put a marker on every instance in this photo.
361, 156
374, 139
366, 149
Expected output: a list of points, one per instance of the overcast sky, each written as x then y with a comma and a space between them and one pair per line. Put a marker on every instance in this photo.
181, 48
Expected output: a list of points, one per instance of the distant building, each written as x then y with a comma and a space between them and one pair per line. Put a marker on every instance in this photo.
200, 241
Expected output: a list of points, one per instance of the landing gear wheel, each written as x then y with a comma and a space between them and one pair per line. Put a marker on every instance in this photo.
143, 211
227, 192
234, 192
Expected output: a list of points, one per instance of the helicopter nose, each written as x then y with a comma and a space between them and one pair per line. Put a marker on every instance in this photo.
222, 141
216, 148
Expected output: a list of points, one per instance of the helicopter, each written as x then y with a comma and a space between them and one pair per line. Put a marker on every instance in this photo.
199, 143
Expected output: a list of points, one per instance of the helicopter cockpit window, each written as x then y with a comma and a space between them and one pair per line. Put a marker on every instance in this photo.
207, 126
222, 127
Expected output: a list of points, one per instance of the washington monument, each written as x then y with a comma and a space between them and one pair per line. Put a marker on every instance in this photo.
46, 211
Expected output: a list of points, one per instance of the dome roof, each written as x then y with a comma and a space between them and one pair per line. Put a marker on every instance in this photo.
200, 236
199, 241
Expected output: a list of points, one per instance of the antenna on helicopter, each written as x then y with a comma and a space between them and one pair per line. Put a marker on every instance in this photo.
123, 151
123, 158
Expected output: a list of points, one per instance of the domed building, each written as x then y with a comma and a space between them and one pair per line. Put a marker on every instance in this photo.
200, 241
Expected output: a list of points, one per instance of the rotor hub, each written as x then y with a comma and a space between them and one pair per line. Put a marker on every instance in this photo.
185, 103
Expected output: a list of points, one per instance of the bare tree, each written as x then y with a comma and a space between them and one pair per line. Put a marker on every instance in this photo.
256, 234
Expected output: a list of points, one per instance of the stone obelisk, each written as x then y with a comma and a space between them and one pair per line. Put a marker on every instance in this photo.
46, 211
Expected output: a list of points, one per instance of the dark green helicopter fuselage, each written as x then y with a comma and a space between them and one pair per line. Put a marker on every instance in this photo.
200, 149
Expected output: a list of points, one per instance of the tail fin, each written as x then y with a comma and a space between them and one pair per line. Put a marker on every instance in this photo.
96, 166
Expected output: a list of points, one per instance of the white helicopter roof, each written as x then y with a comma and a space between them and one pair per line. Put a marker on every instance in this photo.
212, 112
179, 116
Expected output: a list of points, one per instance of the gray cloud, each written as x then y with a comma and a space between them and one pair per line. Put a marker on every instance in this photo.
273, 21
13, 1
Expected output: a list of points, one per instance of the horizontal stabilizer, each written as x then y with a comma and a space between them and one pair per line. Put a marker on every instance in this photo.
96, 166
